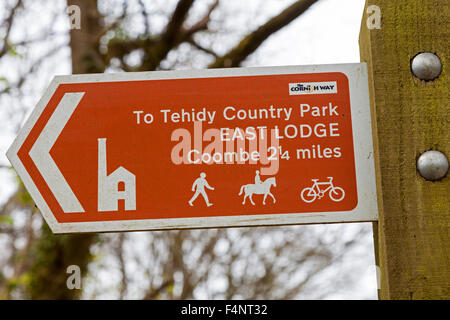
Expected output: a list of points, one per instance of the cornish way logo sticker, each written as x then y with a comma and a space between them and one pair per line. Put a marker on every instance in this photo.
312, 88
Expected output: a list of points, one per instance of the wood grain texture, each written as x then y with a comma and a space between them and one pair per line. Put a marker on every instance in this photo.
412, 116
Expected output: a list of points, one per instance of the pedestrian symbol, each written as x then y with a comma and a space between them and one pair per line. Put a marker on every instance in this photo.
199, 187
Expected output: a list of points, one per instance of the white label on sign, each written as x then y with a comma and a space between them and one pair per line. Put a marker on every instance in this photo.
312, 88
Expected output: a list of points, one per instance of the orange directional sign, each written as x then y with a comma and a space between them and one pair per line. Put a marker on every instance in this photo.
211, 148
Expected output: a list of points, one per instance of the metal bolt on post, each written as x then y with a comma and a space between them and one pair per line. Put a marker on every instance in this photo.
426, 66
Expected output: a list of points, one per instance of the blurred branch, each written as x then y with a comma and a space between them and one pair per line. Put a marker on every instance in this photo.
145, 16
19, 200
153, 294
169, 39
36, 63
114, 24
252, 41
121, 258
157, 48
201, 25
24, 75
38, 39
201, 48
178, 17
8, 23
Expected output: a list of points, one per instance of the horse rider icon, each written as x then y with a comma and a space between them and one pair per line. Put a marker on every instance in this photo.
260, 187
199, 187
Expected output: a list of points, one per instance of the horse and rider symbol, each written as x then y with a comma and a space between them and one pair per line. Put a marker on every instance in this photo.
308, 194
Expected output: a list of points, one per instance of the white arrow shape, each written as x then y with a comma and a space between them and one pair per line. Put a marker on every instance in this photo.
40, 153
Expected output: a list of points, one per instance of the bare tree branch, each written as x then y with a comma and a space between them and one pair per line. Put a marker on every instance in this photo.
120, 255
156, 292
9, 22
169, 39
252, 41
201, 48
114, 24
156, 49
177, 20
201, 25
145, 16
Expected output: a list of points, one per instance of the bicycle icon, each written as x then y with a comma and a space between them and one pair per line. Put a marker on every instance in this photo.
310, 194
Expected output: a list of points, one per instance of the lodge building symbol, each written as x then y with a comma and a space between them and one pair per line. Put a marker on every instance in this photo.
120, 184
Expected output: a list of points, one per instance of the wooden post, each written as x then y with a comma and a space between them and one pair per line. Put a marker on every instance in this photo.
410, 116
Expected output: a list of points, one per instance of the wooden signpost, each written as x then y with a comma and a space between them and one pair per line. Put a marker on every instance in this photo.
410, 116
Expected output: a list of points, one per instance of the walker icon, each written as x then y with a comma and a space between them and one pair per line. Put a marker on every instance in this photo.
310, 194
199, 187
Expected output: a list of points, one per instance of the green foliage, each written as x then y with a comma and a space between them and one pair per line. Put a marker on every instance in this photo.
23, 195
20, 281
170, 288
5, 86
12, 51
6, 220
121, 34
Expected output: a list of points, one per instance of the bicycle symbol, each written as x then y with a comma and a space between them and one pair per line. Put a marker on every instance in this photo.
310, 194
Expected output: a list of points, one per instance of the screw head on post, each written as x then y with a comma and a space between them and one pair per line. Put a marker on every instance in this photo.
432, 165
426, 66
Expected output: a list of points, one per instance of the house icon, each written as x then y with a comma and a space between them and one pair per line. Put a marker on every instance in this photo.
120, 184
